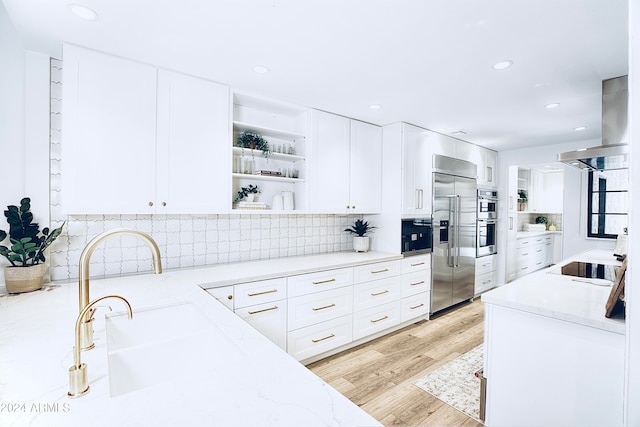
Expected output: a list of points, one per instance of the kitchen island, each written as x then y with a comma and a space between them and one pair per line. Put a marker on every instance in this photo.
241, 378
551, 356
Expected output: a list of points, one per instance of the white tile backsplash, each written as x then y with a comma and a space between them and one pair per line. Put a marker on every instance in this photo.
184, 240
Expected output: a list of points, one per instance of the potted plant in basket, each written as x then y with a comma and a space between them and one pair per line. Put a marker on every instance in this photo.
248, 193
254, 141
26, 249
360, 240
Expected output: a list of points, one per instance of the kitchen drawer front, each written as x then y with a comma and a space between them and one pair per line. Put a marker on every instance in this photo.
415, 306
269, 319
380, 270
224, 294
314, 308
486, 281
376, 319
527, 252
247, 294
416, 282
377, 292
530, 241
525, 266
486, 264
307, 342
416, 263
304, 284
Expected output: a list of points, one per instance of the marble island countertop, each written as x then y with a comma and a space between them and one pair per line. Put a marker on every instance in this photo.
243, 380
549, 293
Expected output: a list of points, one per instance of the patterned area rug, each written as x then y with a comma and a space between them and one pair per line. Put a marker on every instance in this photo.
456, 384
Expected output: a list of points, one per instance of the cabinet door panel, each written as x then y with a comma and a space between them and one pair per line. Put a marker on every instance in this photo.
109, 119
366, 167
269, 319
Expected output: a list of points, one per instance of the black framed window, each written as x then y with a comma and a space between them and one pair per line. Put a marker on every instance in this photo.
607, 204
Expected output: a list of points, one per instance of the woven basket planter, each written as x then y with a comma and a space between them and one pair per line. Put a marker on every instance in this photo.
24, 279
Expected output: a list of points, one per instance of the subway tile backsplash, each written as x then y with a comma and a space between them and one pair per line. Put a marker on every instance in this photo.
184, 240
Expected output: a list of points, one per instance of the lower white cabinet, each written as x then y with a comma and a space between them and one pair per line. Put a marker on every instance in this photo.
307, 342
376, 319
486, 274
416, 287
270, 319
533, 253
318, 307
415, 306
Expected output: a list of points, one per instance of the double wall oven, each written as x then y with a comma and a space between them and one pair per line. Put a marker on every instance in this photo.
487, 223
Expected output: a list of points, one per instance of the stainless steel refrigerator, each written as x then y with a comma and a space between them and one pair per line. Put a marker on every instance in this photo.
454, 232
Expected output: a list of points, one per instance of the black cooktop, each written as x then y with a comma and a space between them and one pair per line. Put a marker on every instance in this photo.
591, 270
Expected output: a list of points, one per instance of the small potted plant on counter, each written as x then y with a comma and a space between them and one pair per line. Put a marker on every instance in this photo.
247, 194
360, 240
26, 249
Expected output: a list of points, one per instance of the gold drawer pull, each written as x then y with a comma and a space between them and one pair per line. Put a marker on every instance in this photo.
375, 294
417, 264
275, 307
380, 271
417, 283
325, 338
322, 308
486, 281
417, 306
263, 293
380, 319
322, 282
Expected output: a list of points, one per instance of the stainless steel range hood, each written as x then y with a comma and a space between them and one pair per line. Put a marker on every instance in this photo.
614, 151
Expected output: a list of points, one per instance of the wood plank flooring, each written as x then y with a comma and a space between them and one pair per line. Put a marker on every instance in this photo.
378, 376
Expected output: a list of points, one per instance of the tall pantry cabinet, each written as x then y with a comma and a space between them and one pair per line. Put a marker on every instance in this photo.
137, 139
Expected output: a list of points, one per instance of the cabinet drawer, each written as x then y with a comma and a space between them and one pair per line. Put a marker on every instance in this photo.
307, 342
376, 319
415, 263
380, 270
371, 294
485, 264
530, 241
269, 319
314, 308
321, 281
415, 306
527, 252
484, 282
252, 293
416, 282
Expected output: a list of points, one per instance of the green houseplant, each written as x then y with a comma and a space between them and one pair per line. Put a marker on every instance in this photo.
254, 141
27, 244
359, 229
247, 193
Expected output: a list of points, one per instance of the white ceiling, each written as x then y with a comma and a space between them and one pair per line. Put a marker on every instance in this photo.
427, 62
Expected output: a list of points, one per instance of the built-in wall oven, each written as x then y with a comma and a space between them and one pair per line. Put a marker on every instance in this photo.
416, 236
487, 223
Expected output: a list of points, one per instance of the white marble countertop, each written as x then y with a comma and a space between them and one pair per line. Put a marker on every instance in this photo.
550, 294
252, 381
525, 234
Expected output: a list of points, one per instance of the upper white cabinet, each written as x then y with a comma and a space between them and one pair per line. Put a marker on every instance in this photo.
139, 139
347, 165
416, 170
486, 160
283, 168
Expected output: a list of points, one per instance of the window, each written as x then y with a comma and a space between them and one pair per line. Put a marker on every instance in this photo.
607, 204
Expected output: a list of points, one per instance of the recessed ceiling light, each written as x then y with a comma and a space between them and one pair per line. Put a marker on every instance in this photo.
580, 128
83, 12
551, 106
502, 65
260, 69
375, 106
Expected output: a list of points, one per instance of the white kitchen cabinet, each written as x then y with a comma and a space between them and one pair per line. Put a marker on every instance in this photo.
131, 132
531, 254
488, 171
307, 310
284, 126
347, 163
319, 338
375, 319
486, 273
415, 287
416, 170
224, 294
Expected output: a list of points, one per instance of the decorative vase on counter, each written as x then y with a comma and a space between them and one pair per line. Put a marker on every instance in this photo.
24, 279
361, 243
552, 227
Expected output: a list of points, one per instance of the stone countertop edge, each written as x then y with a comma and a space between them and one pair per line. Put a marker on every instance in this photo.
256, 384
553, 295
525, 234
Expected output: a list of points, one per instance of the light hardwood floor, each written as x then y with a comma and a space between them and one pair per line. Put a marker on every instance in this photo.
378, 376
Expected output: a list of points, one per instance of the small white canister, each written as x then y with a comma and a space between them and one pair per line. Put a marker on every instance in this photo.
277, 204
287, 197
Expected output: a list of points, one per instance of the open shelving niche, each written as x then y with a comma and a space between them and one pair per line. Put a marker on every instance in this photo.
281, 124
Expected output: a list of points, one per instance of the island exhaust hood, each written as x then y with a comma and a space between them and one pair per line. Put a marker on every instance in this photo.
614, 151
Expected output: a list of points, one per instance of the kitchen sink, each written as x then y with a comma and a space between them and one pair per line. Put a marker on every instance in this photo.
161, 344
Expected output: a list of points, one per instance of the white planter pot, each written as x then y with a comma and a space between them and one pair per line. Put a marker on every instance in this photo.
361, 244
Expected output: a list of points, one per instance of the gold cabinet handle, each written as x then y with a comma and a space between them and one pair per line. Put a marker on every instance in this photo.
325, 338
417, 283
375, 294
322, 308
417, 306
164, 203
417, 264
486, 281
263, 293
275, 307
380, 271
150, 203
380, 319
322, 282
